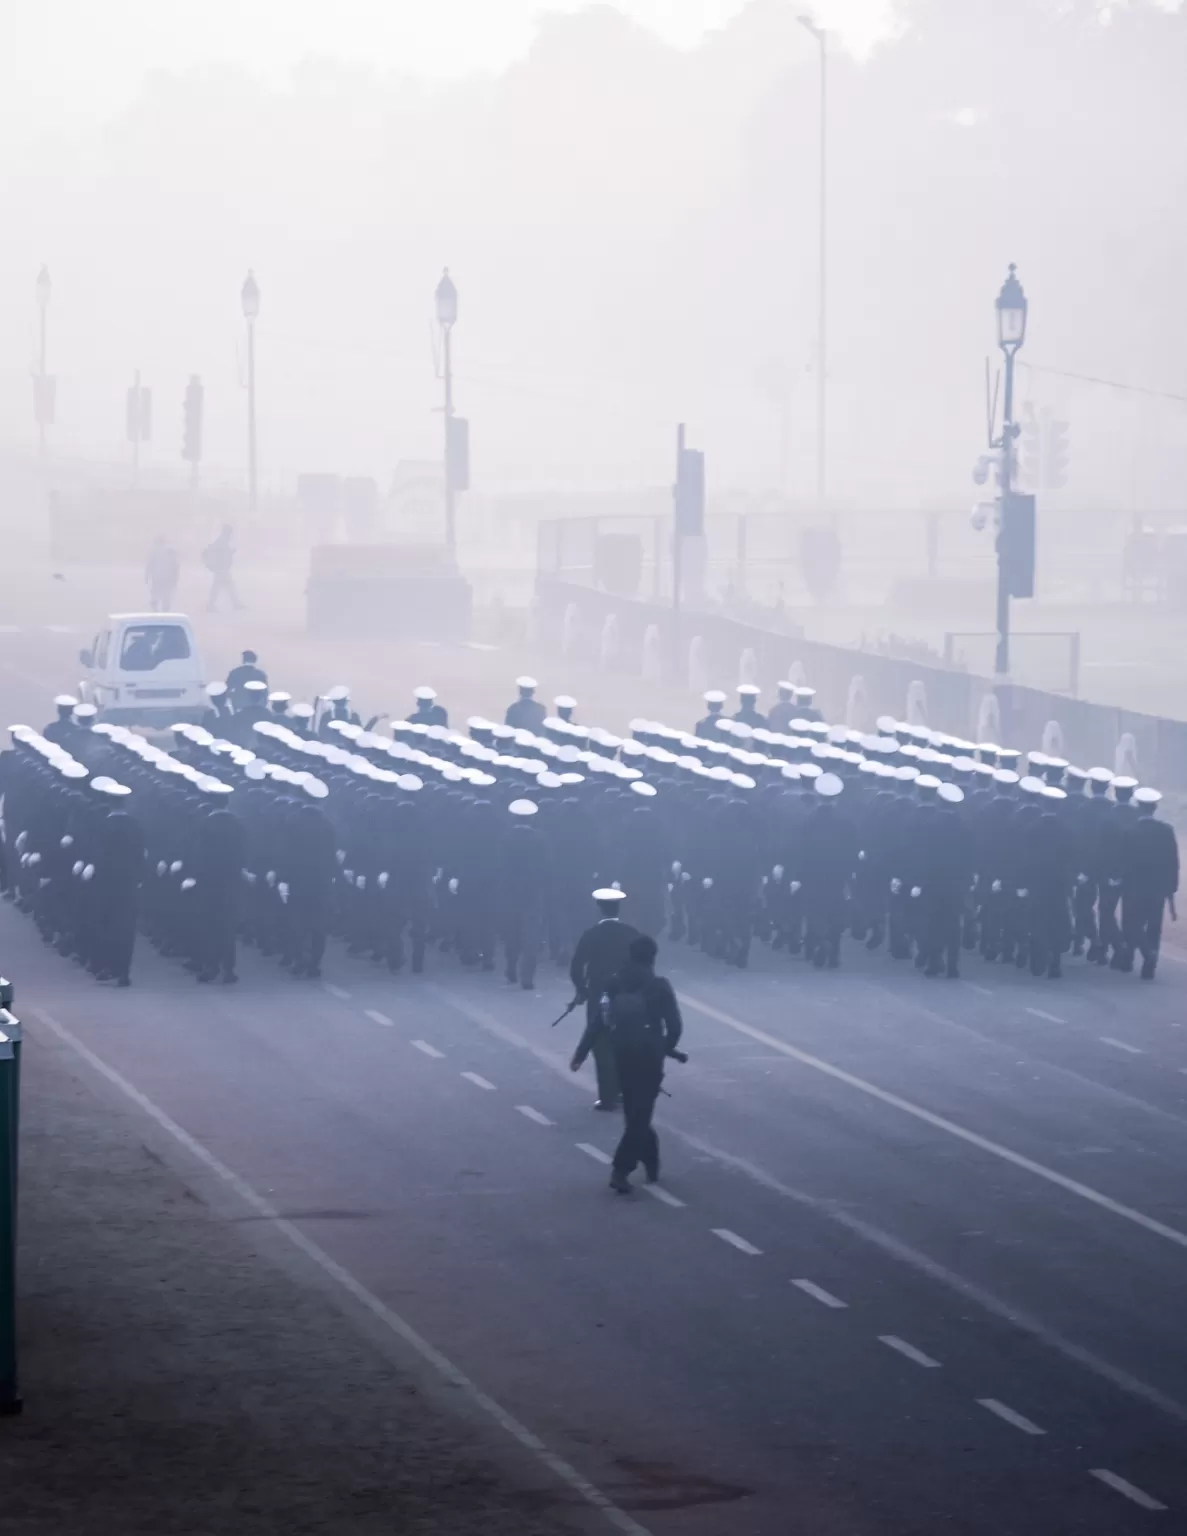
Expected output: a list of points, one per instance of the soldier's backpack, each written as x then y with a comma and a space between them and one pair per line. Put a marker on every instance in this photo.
631, 1024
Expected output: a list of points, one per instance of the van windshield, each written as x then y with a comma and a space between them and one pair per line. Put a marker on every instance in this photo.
148, 645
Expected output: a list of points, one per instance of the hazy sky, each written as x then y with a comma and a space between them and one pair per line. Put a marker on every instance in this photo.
80, 55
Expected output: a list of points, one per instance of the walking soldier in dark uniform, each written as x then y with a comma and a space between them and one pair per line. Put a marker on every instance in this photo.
644, 1026
601, 953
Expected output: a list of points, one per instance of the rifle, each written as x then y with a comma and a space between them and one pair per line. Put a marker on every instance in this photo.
574, 1004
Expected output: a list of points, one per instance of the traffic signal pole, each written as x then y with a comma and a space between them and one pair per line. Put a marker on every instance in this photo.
1001, 665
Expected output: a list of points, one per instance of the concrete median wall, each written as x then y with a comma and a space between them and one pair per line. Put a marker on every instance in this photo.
702, 650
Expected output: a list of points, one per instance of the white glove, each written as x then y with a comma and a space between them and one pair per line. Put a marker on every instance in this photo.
89, 872
1114, 883
453, 887
1081, 879
270, 877
996, 887
175, 867
24, 861
341, 855
283, 889
34, 860
676, 867
161, 867
187, 884
916, 892
21, 839
249, 876
348, 874
382, 879
777, 873
1023, 892
861, 854
684, 875
895, 887
795, 886
66, 842
75, 868
360, 883
707, 883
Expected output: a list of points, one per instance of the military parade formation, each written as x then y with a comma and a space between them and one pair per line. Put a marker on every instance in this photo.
278, 824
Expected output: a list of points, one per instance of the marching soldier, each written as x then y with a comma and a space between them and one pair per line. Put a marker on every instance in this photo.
427, 711
601, 953
1150, 879
714, 703
748, 712
527, 713
644, 1026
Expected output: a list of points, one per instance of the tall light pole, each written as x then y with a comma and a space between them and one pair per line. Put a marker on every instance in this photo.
250, 298
446, 297
44, 289
821, 37
1011, 333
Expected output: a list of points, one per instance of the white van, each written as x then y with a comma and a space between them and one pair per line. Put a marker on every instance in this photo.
144, 668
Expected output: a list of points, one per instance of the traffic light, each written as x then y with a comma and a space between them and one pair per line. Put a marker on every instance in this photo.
1030, 459
1016, 543
1055, 454
139, 414
690, 492
191, 441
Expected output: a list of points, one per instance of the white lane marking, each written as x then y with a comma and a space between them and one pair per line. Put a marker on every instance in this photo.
984, 991
1120, 1045
1051, 1018
429, 1050
534, 1114
1165, 954
665, 1197
340, 993
818, 1293
479, 1082
378, 1018
61, 629
893, 1341
737, 1242
893, 1247
595, 1152
561, 1469
1126, 1488
941, 1123
1018, 1420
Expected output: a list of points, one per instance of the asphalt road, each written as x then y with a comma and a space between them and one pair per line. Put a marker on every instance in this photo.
916, 1265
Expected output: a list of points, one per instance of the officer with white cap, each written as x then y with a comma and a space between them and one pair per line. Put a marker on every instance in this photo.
805, 704
523, 889
527, 713
829, 856
1150, 882
708, 727
748, 712
783, 711
427, 711
248, 671
565, 706
602, 951
63, 730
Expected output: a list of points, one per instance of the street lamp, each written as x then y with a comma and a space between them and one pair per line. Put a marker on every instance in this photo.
250, 299
44, 289
446, 299
821, 37
1011, 307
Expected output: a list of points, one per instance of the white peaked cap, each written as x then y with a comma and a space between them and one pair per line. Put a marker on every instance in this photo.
927, 781
526, 682
1101, 775
257, 770
750, 689
1146, 796
410, 782
564, 701
279, 698
609, 893
1005, 776
256, 686
1051, 793
302, 711
523, 808
66, 701
785, 686
107, 786
424, 692
1125, 783
1031, 786
215, 690
86, 710
548, 780
802, 692
714, 696
907, 773
829, 785
336, 694
791, 771
952, 793
646, 790
810, 770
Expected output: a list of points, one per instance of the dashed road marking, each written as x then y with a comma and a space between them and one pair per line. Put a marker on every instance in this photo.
378, 1018
595, 1152
1050, 1018
1120, 1045
941, 1123
737, 1242
429, 1050
456, 1378
818, 1293
61, 629
340, 993
1130, 1491
665, 1197
894, 1342
479, 1082
1018, 1420
534, 1114
984, 991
